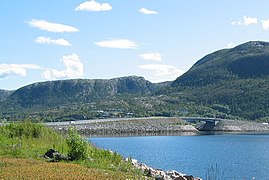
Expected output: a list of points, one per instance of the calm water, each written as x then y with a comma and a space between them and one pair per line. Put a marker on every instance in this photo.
238, 156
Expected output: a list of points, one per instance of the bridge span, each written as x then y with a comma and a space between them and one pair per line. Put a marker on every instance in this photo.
206, 124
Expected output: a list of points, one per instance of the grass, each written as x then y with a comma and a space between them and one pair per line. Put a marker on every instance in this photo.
23, 144
15, 168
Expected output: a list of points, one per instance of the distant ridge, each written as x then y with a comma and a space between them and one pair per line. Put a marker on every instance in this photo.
79, 91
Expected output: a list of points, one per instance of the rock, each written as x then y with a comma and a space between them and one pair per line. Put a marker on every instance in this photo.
55, 156
159, 174
189, 177
180, 178
174, 173
134, 161
49, 153
159, 177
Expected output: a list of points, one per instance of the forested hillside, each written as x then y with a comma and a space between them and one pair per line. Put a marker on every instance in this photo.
235, 78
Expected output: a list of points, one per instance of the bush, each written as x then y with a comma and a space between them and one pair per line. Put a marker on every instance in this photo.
26, 129
77, 146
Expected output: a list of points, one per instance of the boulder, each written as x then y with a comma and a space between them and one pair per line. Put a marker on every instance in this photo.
55, 156
134, 161
50, 153
189, 177
180, 178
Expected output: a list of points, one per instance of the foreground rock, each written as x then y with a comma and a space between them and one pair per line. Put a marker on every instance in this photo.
159, 174
55, 156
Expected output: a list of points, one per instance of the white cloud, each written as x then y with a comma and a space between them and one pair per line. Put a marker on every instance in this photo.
51, 27
73, 69
93, 6
246, 21
48, 40
148, 12
265, 24
118, 43
162, 72
16, 69
153, 56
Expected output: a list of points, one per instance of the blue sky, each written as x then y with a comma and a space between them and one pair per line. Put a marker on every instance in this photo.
43, 40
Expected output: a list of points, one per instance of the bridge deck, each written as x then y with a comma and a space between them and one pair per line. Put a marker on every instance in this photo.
209, 121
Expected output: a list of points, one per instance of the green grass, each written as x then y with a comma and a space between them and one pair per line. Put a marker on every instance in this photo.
30, 141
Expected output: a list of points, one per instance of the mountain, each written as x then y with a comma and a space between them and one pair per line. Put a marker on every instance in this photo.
249, 60
56, 93
4, 94
236, 78
229, 83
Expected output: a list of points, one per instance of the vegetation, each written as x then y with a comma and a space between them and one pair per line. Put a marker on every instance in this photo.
4, 94
235, 78
28, 140
213, 173
26, 143
77, 147
17, 168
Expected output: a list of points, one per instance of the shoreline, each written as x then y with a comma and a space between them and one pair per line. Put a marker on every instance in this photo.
159, 173
199, 133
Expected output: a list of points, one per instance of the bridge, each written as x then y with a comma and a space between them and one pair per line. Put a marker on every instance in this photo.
206, 124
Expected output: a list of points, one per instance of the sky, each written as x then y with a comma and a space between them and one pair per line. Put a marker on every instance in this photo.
45, 40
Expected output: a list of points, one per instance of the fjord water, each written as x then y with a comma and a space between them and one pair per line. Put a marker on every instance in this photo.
237, 156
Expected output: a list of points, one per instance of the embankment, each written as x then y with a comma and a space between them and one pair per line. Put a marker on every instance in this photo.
235, 126
154, 126
130, 126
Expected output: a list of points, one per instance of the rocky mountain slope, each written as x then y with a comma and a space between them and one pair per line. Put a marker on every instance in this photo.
54, 93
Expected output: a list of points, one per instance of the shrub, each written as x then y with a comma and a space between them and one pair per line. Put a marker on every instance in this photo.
77, 146
26, 129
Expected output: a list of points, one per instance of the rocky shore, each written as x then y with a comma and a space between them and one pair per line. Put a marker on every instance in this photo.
119, 127
159, 174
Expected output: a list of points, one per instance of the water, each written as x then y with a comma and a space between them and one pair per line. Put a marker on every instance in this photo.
238, 156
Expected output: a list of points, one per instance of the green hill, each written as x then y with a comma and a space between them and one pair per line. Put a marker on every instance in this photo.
55, 93
236, 78
249, 60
